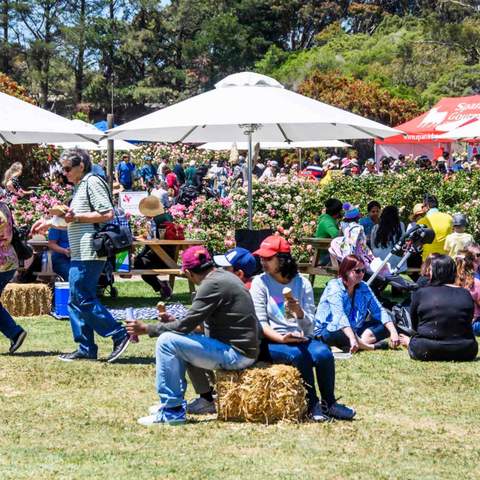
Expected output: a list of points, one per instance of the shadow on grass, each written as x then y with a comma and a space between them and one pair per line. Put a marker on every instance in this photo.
134, 361
38, 353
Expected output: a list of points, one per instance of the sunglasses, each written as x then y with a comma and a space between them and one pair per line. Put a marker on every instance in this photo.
67, 169
358, 271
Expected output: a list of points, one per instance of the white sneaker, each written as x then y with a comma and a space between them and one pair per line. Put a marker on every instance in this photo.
201, 406
153, 410
318, 414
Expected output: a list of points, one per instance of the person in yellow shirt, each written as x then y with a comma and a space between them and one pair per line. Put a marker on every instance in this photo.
440, 223
458, 240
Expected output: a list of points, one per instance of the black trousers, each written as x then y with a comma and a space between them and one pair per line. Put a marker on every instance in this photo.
147, 260
462, 350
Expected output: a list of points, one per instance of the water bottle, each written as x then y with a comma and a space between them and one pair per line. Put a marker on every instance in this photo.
44, 261
131, 317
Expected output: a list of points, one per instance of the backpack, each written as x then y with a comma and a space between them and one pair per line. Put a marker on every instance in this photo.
174, 231
187, 195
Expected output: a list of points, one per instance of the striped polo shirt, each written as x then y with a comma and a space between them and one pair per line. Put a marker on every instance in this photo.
80, 235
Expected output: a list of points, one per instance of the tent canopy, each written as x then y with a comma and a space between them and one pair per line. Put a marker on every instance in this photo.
445, 115
469, 131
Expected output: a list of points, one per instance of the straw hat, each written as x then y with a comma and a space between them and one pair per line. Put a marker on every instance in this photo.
418, 210
151, 206
117, 188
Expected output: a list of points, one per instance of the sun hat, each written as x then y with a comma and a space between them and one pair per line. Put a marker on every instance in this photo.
351, 211
346, 162
196, 257
151, 206
459, 220
418, 210
238, 258
271, 246
117, 188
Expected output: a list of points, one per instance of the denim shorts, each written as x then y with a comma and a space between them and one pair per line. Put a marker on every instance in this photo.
340, 340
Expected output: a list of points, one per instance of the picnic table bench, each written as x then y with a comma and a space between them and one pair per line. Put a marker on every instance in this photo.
173, 269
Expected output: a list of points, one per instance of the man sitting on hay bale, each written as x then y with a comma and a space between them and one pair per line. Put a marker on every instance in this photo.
225, 306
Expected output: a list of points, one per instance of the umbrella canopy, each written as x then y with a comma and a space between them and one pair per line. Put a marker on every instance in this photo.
252, 106
469, 131
219, 146
21, 122
102, 145
242, 99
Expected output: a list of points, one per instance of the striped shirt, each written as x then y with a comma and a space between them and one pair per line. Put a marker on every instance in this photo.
80, 235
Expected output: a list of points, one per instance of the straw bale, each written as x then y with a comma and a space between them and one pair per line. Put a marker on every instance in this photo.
27, 299
264, 393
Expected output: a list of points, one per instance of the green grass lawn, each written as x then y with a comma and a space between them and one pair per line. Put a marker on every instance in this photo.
78, 420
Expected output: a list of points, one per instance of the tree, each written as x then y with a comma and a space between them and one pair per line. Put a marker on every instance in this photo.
363, 98
41, 21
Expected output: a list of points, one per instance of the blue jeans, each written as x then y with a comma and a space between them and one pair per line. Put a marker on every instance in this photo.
175, 350
476, 327
7, 324
87, 314
61, 265
307, 356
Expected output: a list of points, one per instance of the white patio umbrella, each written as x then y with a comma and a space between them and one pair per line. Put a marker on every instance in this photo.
21, 122
219, 146
252, 105
101, 145
470, 130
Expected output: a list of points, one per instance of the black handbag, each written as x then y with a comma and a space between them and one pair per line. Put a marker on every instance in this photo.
19, 241
402, 320
112, 238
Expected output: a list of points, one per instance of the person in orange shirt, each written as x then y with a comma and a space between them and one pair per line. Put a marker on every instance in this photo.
440, 223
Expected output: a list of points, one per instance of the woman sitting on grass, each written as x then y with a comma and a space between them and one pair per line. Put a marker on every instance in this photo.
349, 316
466, 267
441, 314
287, 323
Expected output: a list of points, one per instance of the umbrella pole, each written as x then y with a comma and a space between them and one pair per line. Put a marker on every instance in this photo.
110, 153
249, 179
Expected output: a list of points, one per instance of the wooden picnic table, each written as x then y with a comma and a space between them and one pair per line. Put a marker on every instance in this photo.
173, 269
320, 246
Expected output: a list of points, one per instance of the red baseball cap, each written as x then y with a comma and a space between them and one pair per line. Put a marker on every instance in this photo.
272, 245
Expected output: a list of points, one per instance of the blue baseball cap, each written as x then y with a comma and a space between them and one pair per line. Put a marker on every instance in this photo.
238, 258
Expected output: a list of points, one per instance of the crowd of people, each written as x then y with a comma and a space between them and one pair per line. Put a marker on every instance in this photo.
246, 310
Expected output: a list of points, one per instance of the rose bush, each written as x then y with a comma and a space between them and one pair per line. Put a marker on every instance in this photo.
291, 205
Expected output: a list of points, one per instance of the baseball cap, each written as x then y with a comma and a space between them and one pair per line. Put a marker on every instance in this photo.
459, 220
238, 258
272, 245
195, 257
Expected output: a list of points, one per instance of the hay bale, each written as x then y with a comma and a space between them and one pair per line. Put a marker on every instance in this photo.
27, 299
264, 393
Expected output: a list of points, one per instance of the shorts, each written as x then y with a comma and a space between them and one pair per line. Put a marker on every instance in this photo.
340, 340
